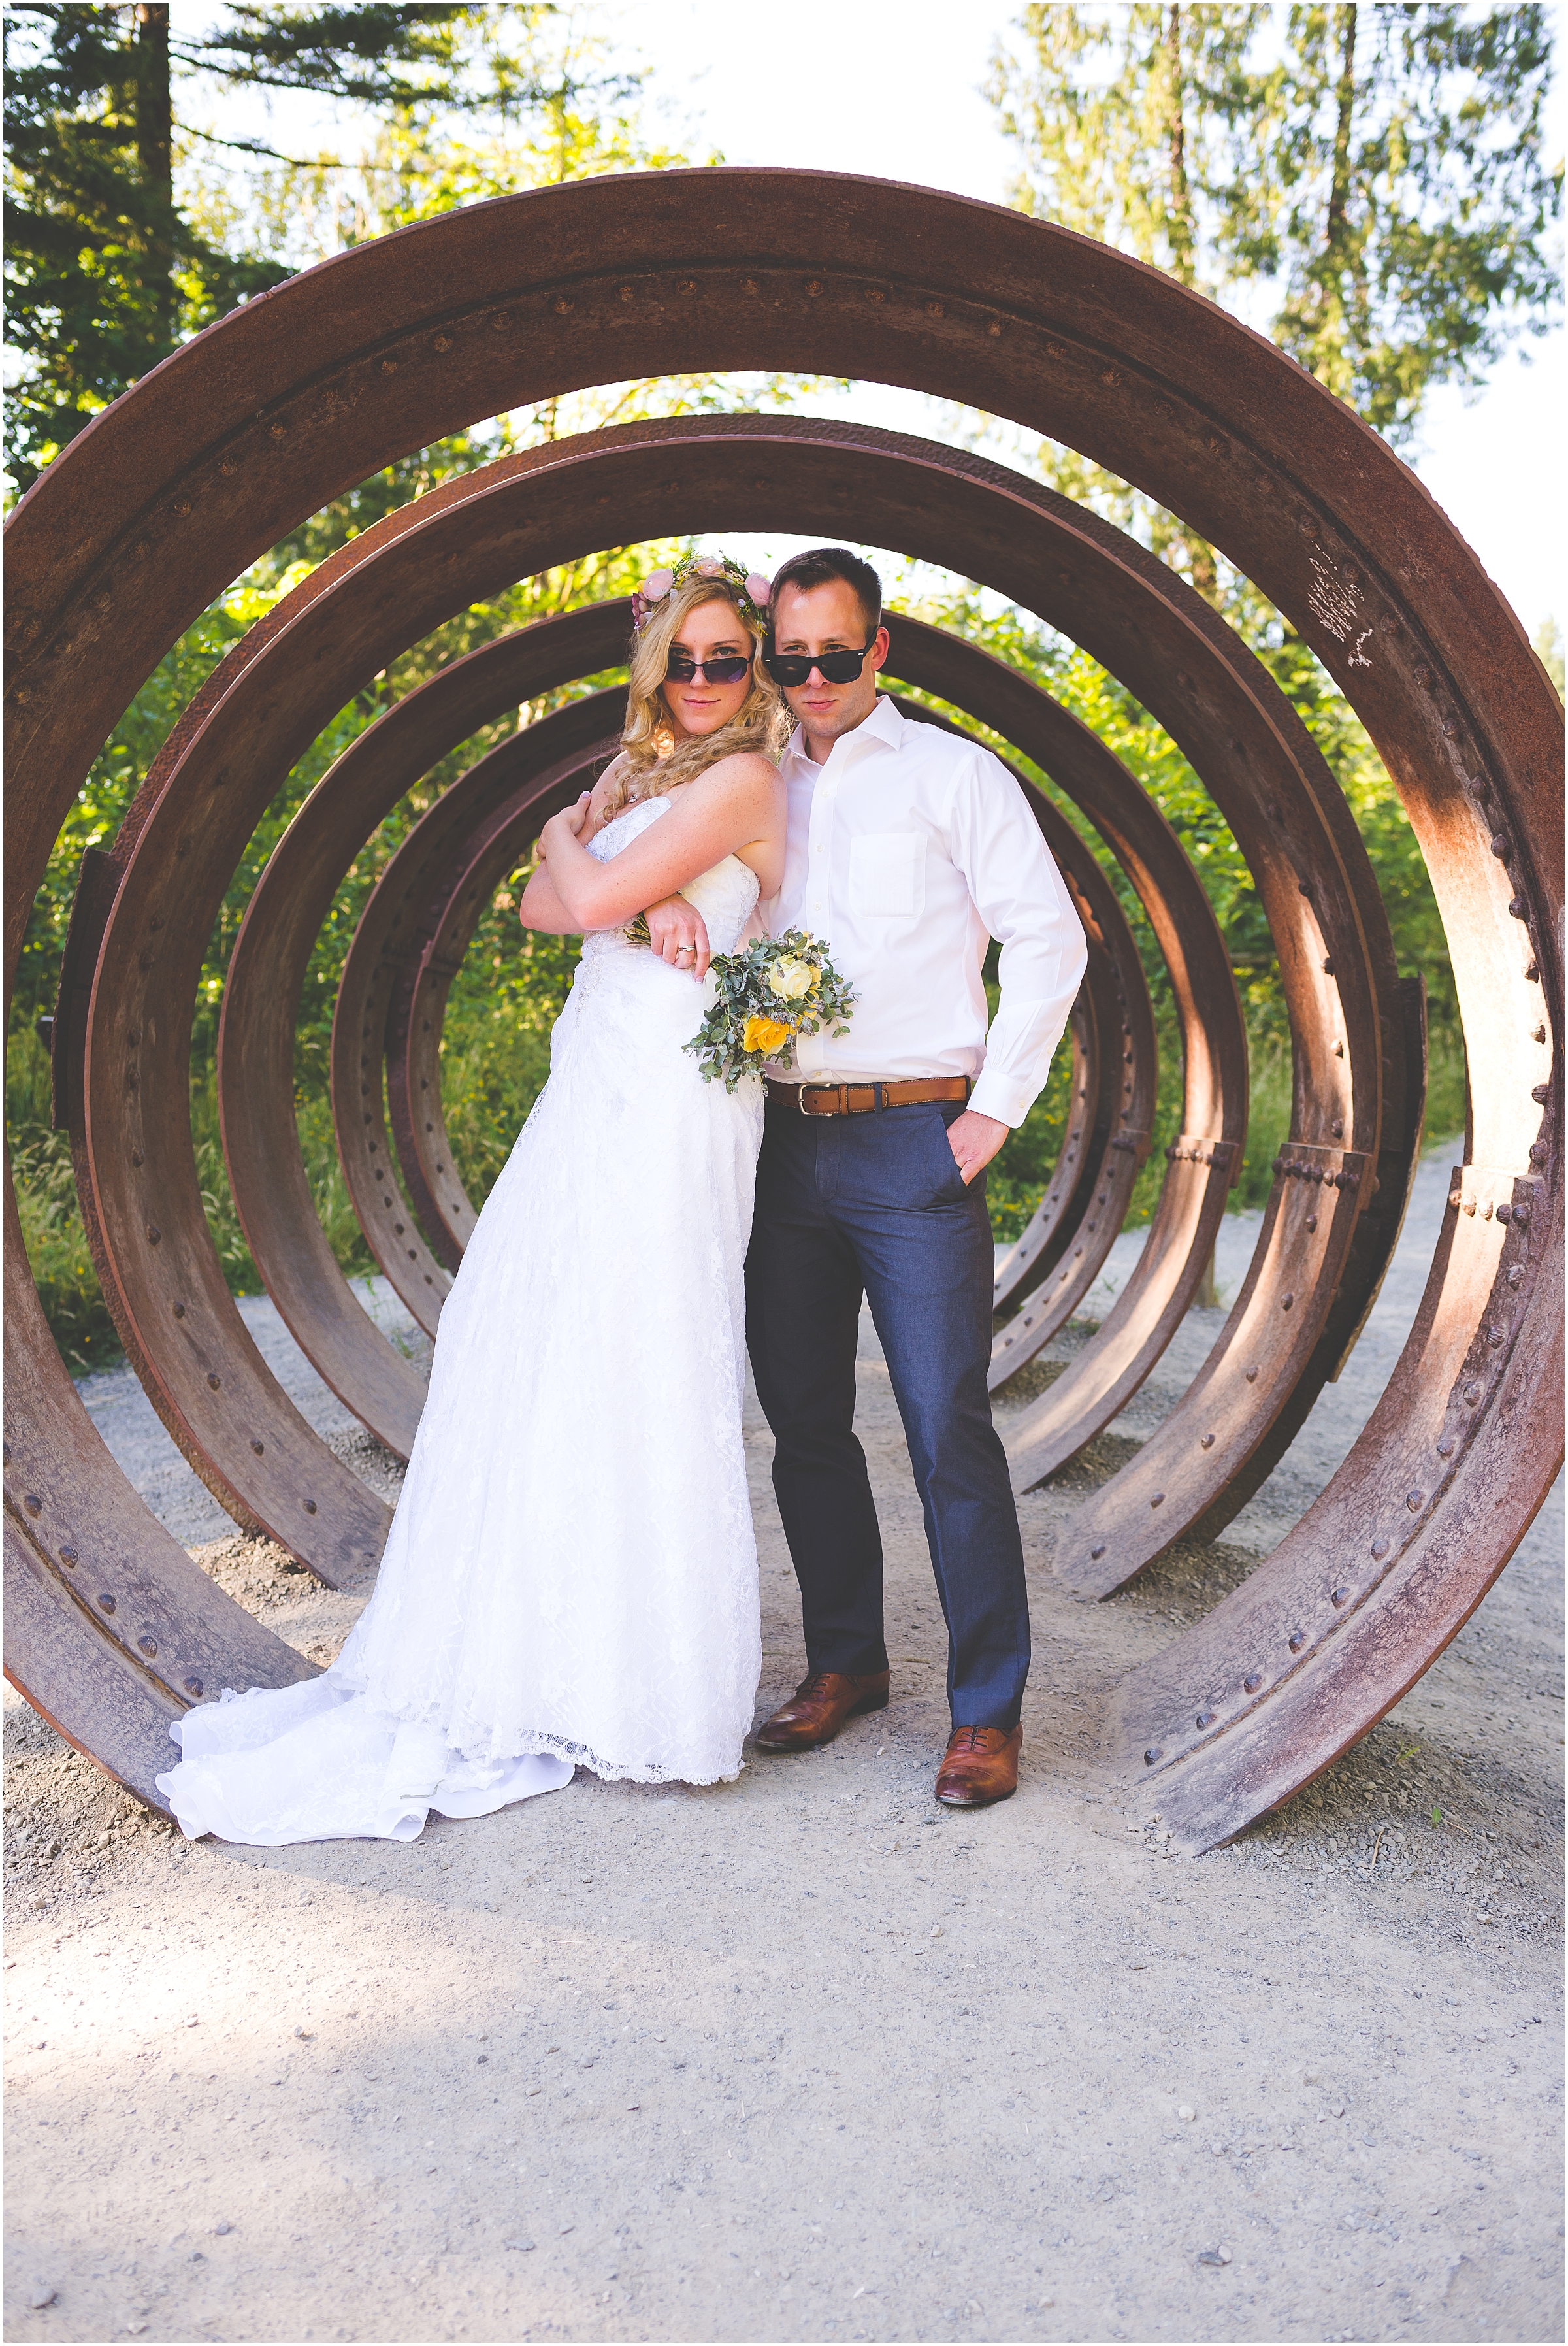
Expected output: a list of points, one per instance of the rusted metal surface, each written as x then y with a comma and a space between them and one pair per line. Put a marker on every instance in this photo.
111, 1629
98, 881
1375, 1579
255, 1069
1067, 1256
1071, 1182
377, 964
1376, 1235
232, 442
76, 1679
418, 1013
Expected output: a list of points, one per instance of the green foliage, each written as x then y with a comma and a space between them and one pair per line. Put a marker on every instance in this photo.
581, 115
1122, 117
129, 225
51, 1221
1404, 203
1377, 171
103, 273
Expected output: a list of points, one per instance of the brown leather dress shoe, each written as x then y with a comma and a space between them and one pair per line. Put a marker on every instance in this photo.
981, 1765
818, 1709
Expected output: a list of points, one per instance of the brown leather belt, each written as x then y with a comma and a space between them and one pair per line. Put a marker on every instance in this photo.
866, 1099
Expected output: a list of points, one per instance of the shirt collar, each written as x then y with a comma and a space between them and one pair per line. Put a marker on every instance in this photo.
883, 725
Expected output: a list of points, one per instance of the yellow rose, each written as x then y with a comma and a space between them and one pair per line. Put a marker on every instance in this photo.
792, 980
765, 1034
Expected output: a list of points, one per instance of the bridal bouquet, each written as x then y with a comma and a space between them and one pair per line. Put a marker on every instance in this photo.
777, 988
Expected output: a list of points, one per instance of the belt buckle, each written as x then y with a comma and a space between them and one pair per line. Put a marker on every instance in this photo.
800, 1092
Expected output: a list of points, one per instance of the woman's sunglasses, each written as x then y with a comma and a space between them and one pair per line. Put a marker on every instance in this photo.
833, 667
729, 670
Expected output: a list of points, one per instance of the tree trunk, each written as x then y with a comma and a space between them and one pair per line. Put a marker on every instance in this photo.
1183, 239
155, 158
1183, 234
1340, 188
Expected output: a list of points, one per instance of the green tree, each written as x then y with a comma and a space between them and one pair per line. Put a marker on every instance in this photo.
1377, 172
1409, 208
1122, 117
584, 118
107, 268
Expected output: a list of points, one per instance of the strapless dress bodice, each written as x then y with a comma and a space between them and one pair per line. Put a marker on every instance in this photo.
725, 896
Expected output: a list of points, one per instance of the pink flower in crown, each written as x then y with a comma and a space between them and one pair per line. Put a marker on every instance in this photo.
710, 567
759, 589
657, 586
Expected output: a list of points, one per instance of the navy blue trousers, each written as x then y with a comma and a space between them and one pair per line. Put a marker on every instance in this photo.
874, 1205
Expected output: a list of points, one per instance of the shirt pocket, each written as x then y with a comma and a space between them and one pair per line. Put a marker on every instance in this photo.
887, 875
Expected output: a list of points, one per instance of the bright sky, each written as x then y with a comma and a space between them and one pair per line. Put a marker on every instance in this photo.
895, 92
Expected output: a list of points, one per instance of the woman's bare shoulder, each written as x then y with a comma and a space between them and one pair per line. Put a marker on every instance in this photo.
742, 770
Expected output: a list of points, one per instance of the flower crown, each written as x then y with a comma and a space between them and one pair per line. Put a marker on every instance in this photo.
749, 588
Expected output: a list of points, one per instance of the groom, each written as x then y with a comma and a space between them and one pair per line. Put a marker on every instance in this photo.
907, 849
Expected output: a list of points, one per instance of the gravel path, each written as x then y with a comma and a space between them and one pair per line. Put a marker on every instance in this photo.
803, 2057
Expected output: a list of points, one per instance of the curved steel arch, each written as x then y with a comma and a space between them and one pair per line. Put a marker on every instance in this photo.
253, 425
392, 584
266, 970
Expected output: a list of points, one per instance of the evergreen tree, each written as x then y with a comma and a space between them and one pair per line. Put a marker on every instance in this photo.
106, 271
1378, 169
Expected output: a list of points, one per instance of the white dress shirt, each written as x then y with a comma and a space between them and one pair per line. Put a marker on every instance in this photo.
905, 853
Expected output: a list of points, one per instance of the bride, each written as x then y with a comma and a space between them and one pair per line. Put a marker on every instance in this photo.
571, 1577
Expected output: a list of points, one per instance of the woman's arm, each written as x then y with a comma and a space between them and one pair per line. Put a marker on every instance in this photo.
737, 806
541, 908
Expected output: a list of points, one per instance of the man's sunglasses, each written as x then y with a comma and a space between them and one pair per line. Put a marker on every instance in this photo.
729, 670
833, 667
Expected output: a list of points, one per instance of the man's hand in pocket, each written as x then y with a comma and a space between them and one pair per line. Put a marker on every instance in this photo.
974, 1140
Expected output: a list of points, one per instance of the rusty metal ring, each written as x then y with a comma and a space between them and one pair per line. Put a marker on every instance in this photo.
399, 579
980, 304
255, 1037
455, 853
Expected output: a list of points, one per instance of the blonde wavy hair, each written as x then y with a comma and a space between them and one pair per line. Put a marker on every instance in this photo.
763, 722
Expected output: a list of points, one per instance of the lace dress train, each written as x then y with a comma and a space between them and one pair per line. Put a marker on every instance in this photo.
571, 1574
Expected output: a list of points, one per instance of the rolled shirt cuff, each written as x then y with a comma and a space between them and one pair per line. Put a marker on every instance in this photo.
995, 1095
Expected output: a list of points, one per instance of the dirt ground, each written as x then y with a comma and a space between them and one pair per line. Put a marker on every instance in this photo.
624, 2064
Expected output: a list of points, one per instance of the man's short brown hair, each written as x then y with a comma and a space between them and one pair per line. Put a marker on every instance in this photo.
817, 568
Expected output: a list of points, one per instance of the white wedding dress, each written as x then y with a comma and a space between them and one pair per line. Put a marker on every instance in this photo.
571, 1575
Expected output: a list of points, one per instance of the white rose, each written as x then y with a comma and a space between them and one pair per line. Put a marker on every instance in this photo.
791, 980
